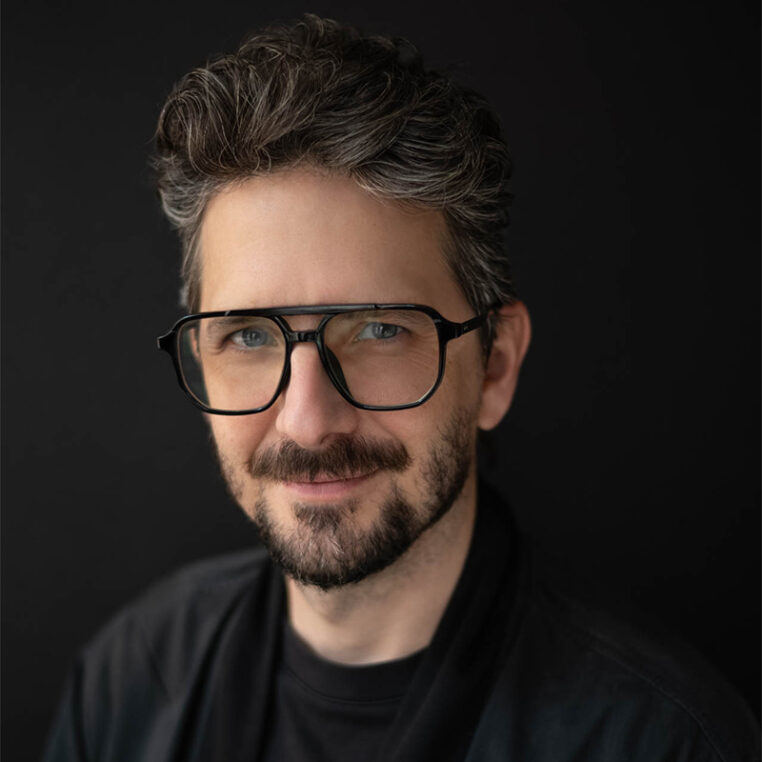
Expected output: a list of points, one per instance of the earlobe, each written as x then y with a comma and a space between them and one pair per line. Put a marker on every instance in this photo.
504, 363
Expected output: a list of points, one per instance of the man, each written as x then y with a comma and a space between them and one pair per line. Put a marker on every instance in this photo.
352, 326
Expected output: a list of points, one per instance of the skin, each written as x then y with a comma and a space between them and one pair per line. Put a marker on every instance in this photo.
302, 237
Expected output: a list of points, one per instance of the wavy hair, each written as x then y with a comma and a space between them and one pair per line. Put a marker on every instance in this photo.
318, 92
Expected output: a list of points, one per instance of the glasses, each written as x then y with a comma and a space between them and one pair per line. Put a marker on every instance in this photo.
378, 356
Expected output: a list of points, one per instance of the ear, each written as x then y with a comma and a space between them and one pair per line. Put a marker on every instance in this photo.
502, 373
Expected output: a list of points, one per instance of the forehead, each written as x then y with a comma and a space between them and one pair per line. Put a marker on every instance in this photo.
302, 237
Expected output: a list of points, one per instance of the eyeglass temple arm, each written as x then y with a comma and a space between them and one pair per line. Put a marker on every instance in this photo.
455, 330
471, 324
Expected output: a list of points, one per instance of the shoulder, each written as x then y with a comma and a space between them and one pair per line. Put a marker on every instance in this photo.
204, 587
581, 678
137, 679
169, 628
653, 675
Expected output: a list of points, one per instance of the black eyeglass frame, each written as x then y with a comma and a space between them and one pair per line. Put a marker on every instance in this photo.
447, 330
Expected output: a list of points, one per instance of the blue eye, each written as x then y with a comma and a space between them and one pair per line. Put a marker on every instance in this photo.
253, 338
379, 331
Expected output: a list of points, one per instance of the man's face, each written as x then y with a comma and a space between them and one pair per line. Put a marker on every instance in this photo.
338, 492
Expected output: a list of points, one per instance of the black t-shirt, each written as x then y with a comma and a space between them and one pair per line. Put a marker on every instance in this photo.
322, 711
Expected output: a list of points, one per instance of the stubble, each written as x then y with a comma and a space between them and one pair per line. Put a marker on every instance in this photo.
326, 547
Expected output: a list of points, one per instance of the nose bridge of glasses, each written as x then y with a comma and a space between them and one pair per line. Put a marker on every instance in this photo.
313, 336
297, 337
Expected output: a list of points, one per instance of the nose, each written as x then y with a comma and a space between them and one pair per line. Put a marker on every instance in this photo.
311, 410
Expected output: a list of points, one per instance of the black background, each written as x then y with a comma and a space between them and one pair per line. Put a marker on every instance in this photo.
632, 450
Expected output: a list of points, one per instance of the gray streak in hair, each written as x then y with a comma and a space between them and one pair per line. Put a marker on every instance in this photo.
318, 93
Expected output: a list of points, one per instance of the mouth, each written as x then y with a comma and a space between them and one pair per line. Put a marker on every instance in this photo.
328, 487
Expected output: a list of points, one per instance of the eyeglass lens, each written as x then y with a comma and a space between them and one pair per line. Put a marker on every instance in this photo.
381, 358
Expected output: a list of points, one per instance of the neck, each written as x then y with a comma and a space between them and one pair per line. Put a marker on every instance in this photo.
395, 612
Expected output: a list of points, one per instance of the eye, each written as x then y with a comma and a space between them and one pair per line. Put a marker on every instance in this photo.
379, 331
253, 338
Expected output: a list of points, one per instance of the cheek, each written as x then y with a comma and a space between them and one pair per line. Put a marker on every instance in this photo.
419, 428
238, 437
459, 392
462, 382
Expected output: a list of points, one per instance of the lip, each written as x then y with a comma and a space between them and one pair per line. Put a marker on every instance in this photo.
327, 488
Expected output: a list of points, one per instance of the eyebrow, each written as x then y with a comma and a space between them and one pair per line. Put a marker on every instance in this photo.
230, 321
400, 312
218, 325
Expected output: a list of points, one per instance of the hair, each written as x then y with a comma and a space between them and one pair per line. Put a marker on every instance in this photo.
319, 93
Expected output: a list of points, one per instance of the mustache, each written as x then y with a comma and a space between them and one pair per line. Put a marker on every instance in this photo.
343, 458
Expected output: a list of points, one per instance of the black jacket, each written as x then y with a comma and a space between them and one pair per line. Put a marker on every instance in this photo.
516, 672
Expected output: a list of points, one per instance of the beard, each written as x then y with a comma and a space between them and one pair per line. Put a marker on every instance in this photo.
327, 548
